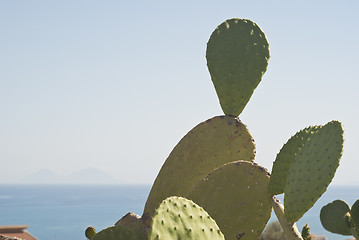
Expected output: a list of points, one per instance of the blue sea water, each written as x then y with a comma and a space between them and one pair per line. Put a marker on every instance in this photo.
56, 212
64, 211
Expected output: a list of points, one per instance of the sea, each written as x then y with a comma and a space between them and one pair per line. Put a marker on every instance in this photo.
55, 212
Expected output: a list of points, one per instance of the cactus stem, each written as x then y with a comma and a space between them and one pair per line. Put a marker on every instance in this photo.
290, 229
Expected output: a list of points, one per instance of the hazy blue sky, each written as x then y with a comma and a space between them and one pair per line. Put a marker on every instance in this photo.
115, 85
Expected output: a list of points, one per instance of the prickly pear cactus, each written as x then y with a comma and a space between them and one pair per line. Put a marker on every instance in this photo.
286, 157
179, 218
236, 196
204, 165
116, 233
312, 170
207, 146
237, 57
332, 217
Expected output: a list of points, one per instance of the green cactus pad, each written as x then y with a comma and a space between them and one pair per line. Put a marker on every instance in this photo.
209, 145
306, 233
90, 232
134, 222
236, 196
179, 218
312, 170
355, 214
237, 57
332, 217
116, 233
285, 159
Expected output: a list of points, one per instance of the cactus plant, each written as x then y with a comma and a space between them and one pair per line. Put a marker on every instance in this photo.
338, 217
213, 164
179, 218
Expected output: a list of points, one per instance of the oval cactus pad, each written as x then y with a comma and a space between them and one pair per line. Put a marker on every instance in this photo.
312, 170
236, 196
179, 218
209, 145
332, 217
237, 57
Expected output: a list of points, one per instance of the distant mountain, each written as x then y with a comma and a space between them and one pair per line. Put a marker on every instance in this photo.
85, 176
44, 176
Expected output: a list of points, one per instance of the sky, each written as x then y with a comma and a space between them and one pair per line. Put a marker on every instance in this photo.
115, 85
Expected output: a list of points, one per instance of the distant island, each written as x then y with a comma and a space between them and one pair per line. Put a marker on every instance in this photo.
85, 176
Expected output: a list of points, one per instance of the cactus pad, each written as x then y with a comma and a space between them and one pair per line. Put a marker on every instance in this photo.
312, 170
285, 159
236, 196
90, 232
355, 214
332, 217
207, 146
237, 57
116, 233
179, 218
306, 233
